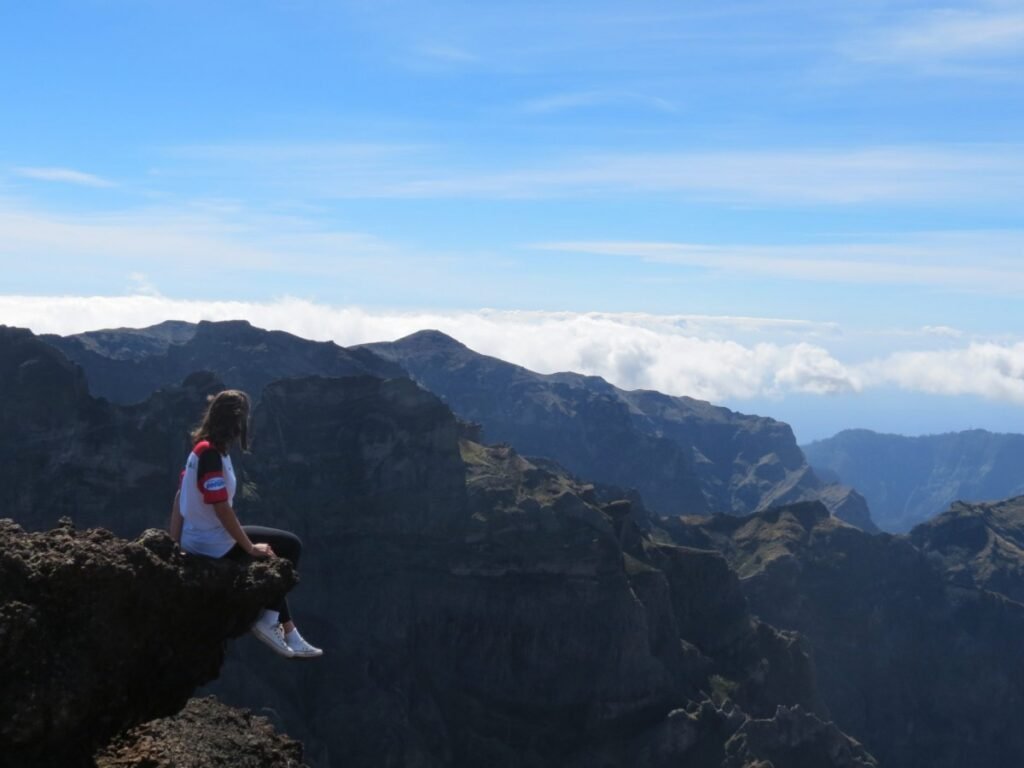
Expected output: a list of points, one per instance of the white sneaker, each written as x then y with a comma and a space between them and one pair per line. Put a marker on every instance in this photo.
272, 635
300, 648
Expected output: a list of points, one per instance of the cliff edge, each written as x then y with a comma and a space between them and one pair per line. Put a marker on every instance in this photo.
99, 634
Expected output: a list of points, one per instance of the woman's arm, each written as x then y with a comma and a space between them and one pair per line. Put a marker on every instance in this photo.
176, 520
228, 518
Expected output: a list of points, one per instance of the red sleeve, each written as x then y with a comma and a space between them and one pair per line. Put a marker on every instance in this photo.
210, 475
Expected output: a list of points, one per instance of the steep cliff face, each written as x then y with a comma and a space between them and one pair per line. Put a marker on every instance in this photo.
127, 365
518, 632
99, 634
922, 671
685, 456
476, 608
66, 453
908, 480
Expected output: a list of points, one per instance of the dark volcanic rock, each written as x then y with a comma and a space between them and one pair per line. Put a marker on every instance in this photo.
358, 454
127, 365
205, 733
922, 671
476, 608
509, 627
979, 545
907, 480
685, 456
98, 634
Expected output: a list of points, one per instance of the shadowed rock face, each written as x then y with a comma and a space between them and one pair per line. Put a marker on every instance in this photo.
922, 671
795, 739
476, 608
524, 633
65, 453
98, 634
978, 545
685, 456
205, 733
127, 365
908, 480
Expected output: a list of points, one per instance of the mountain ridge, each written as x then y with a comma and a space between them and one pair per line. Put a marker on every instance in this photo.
909, 480
684, 455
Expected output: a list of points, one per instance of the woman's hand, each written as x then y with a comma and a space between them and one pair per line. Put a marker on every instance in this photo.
262, 551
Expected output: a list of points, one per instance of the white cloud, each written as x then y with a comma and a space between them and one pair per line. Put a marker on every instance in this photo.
676, 354
139, 284
942, 331
992, 371
667, 353
63, 175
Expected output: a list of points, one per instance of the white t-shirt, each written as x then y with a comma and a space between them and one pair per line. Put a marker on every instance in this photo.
208, 478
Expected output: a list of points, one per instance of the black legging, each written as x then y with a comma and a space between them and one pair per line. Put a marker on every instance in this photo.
284, 544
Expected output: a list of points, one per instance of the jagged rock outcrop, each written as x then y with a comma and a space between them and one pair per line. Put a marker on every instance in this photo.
99, 634
685, 456
920, 670
908, 480
205, 733
126, 365
978, 545
794, 739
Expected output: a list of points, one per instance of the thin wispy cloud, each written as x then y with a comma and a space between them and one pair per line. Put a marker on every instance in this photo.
905, 175
943, 35
63, 176
210, 236
565, 102
447, 53
943, 331
139, 284
989, 263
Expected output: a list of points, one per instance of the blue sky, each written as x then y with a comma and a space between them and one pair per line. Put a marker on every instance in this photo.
854, 170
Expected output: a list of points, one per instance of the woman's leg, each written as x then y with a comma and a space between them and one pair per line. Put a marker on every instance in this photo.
288, 546
284, 544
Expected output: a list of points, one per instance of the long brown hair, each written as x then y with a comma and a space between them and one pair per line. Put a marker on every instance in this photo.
226, 418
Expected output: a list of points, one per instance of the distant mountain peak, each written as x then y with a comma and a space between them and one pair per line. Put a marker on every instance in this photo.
431, 337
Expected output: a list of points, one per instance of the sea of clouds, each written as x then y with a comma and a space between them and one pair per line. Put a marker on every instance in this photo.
712, 358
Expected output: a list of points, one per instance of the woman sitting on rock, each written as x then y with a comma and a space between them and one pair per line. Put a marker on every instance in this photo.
204, 522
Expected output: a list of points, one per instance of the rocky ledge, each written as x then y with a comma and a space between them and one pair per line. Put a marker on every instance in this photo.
204, 734
99, 634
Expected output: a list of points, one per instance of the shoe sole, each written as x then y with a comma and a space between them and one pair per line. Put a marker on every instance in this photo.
306, 655
287, 653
